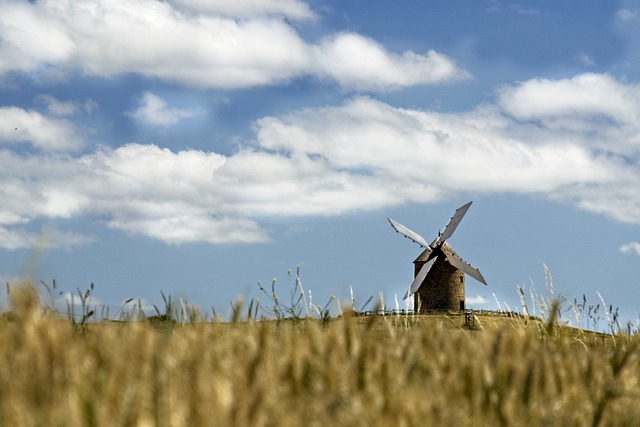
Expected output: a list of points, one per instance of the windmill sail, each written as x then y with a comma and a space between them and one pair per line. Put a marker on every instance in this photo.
453, 223
420, 277
408, 233
464, 266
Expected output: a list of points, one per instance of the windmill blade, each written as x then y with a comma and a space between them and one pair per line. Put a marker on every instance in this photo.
453, 223
464, 266
415, 285
408, 233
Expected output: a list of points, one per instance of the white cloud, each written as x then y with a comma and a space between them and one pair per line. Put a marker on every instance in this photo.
361, 155
58, 108
477, 300
74, 300
628, 15
18, 125
585, 59
23, 28
496, 7
153, 110
589, 109
408, 147
581, 96
574, 139
141, 189
202, 48
633, 247
291, 9
618, 199
524, 10
19, 238
187, 228
359, 63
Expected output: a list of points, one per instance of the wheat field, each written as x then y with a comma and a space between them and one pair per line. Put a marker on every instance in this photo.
376, 371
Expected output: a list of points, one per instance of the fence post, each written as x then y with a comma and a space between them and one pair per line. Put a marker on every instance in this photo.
468, 318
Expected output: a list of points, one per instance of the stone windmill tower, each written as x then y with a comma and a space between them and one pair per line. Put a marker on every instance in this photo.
439, 271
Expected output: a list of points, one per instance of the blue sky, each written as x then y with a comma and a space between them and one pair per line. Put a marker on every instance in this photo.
198, 146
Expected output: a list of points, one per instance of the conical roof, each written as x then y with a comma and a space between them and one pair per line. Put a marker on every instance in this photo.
424, 256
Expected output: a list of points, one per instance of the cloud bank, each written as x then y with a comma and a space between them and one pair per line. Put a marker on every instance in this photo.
202, 44
576, 140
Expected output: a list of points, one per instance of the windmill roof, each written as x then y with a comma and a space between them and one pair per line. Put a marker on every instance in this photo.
425, 254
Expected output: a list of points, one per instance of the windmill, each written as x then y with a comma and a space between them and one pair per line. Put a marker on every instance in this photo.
439, 271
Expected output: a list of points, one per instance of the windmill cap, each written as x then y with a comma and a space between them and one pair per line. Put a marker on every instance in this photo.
424, 256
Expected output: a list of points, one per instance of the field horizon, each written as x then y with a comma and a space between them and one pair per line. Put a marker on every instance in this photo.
353, 370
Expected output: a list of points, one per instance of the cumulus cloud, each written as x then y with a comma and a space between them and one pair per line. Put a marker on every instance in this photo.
585, 95
23, 27
633, 247
361, 155
141, 189
589, 109
575, 140
477, 300
359, 63
201, 44
153, 110
18, 126
409, 146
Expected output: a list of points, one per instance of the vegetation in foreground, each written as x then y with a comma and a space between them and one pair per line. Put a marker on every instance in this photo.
393, 370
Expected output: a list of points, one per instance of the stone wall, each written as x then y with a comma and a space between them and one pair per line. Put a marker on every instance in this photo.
442, 289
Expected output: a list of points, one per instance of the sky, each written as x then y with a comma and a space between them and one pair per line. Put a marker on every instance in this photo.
196, 147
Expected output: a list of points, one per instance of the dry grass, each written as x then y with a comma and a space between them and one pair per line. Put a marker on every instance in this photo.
354, 371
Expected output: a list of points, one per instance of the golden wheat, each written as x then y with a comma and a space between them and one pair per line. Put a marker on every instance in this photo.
374, 372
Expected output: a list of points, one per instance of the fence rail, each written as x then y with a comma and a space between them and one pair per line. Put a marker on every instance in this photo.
408, 312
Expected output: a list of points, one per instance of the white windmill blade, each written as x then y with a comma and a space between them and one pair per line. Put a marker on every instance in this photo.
415, 285
453, 223
408, 233
464, 266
